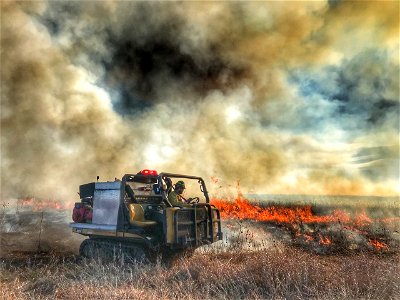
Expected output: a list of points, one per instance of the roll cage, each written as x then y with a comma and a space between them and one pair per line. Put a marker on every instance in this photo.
161, 184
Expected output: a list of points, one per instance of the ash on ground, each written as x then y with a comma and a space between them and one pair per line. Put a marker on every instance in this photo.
24, 228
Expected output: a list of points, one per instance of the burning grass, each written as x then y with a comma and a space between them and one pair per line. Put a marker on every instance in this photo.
332, 232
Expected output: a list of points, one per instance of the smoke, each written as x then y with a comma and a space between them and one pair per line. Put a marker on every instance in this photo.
268, 94
58, 127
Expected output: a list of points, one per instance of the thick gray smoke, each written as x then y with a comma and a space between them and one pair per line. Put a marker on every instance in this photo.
269, 94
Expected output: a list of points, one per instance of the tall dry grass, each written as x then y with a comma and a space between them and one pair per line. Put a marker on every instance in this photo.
276, 273
257, 261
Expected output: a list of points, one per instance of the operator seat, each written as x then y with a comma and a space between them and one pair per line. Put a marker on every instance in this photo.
136, 217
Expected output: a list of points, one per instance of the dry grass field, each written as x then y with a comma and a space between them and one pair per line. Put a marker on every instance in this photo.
277, 273
262, 256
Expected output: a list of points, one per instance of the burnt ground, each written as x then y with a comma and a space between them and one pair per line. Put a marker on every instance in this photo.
25, 230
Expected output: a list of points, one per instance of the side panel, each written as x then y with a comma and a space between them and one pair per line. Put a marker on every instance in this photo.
93, 226
106, 203
170, 226
113, 185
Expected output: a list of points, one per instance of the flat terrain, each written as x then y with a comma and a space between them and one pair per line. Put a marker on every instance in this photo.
270, 252
277, 273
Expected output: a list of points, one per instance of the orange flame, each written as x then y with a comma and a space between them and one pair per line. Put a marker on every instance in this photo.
324, 240
363, 220
294, 218
243, 209
39, 205
307, 237
378, 245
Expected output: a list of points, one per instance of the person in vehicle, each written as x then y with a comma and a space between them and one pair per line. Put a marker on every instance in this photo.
175, 197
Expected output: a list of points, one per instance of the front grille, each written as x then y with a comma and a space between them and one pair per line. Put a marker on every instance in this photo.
190, 231
185, 215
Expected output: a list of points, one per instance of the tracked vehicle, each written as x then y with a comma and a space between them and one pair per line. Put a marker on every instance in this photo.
133, 218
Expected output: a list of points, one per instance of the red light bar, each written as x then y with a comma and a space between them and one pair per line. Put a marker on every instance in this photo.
149, 172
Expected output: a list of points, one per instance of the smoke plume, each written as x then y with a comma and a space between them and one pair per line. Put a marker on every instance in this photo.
284, 97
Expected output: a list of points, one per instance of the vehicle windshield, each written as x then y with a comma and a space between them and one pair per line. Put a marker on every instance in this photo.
192, 188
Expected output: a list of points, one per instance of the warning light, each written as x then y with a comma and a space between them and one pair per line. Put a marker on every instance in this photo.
149, 172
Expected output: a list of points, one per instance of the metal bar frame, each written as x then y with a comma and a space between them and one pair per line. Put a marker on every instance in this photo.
199, 179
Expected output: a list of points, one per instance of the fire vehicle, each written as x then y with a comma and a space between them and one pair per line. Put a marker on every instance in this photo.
132, 217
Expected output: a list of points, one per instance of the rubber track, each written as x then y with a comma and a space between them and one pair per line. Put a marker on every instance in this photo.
109, 250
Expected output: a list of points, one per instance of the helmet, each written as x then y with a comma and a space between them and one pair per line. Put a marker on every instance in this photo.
180, 183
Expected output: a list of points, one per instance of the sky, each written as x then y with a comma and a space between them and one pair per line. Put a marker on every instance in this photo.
282, 97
